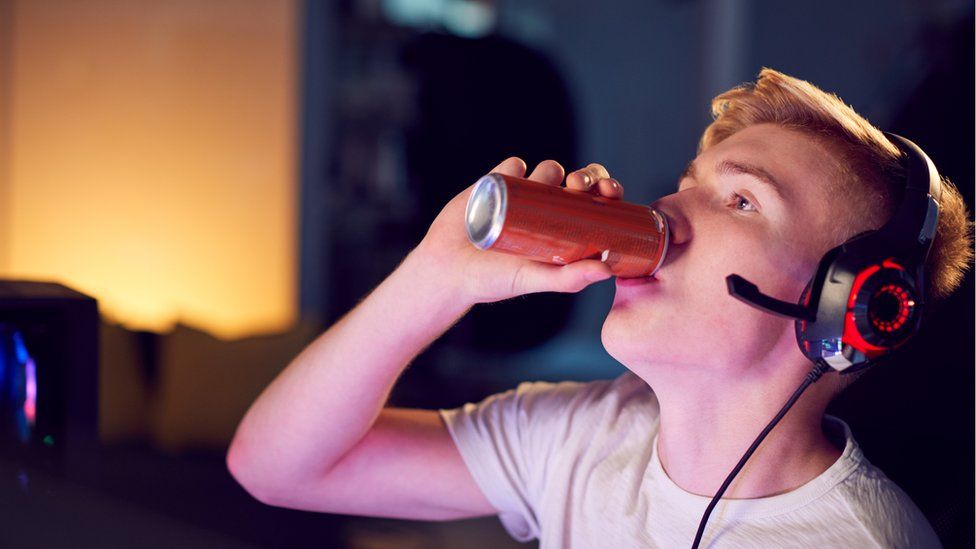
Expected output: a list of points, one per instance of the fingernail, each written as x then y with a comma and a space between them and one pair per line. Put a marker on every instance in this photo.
614, 184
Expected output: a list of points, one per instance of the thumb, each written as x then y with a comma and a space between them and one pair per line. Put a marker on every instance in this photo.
541, 277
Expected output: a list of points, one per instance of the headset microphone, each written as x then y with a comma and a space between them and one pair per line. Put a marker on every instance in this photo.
748, 292
866, 297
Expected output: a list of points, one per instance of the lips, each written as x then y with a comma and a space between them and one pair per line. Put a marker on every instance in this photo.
641, 281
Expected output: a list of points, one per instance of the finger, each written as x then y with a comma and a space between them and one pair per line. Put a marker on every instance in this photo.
610, 188
540, 277
549, 172
579, 180
513, 166
584, 179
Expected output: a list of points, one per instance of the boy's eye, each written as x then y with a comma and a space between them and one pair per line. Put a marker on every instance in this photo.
742, 203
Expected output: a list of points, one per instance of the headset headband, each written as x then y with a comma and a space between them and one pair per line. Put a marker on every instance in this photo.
912, 227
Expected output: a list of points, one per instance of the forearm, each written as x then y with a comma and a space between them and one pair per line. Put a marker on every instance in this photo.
327, 399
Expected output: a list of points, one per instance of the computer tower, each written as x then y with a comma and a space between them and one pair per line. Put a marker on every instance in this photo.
48, 381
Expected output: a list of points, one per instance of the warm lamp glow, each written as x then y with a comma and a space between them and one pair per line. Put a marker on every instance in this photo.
152, 152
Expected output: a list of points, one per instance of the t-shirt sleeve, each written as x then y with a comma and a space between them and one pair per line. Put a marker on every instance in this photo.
508, 439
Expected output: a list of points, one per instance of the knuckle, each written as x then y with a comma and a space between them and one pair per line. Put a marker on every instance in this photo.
517, 280
599, 170
579, 284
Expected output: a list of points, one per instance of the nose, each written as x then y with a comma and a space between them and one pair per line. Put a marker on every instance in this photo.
677, 220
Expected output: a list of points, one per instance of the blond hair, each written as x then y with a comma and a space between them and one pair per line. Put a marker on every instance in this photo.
869, 161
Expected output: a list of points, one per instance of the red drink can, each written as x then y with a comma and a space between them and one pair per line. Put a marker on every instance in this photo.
558, 225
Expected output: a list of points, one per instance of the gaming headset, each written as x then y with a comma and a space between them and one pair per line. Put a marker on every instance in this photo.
865, 299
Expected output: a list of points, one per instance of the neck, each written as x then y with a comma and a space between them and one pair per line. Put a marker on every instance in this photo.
705, 428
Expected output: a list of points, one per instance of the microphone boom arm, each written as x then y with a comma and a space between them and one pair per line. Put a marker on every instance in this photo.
749, 293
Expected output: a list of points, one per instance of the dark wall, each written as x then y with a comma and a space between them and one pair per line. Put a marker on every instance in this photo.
636, 79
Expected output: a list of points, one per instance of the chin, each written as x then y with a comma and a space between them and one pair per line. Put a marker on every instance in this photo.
625, 342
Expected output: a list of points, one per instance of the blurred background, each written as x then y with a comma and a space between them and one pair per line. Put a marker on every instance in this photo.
218, 181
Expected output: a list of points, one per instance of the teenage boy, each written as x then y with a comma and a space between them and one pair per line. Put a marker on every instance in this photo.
784, 173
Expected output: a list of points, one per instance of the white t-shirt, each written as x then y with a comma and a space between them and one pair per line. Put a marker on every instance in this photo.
575, 465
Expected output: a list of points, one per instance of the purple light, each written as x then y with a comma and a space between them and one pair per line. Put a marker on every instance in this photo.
30, 398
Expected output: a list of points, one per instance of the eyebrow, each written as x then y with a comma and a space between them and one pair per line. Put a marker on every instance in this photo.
733, 167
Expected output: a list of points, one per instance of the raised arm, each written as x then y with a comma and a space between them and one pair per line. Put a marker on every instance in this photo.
318, 437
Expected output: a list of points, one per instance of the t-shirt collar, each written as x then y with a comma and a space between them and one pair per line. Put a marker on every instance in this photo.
656, 479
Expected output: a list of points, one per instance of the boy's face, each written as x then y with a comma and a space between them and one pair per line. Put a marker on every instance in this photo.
686, 318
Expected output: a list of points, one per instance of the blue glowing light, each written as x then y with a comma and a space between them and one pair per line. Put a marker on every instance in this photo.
18, 383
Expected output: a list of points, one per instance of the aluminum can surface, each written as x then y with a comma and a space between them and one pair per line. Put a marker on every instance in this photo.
558, 225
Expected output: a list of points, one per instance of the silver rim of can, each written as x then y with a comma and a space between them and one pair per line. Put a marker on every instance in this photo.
662, 222
485, 212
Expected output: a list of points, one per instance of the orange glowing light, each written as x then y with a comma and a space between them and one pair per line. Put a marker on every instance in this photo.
151, 158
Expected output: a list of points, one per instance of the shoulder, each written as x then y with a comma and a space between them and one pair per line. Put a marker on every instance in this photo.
593, 400
561, 407
885, 512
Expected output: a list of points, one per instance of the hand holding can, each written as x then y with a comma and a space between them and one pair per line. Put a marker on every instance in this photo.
561, 226
477, 277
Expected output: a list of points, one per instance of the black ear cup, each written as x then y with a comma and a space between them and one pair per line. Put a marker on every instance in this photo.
886, 309
875, 311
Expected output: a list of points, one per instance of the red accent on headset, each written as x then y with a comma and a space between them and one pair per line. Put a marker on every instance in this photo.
851, 335
805, 301
905, 305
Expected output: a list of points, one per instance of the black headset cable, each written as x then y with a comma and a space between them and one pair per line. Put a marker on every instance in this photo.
819, 369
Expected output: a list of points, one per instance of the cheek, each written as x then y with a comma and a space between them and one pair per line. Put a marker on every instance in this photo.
779, 263
784, 270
